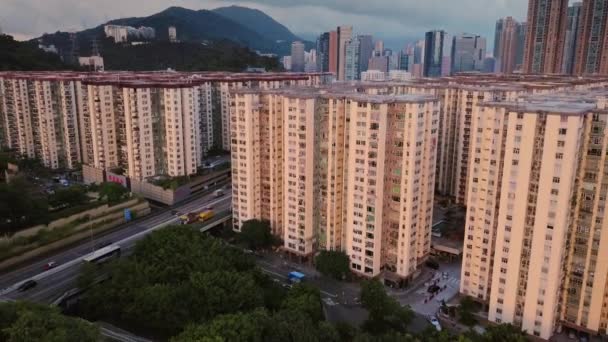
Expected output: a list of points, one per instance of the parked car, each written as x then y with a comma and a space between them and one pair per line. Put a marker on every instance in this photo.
445, 275
435, 322
27, 285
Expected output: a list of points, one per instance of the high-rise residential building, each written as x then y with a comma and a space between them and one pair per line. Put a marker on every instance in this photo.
592, 46
172, 34
574, 14
521, 45
349, 171
345, 34
468, 52
323, 52
545, 36
286, 61
366, 47
508, 44
535, 218
108, 120
434, 49
352, 57
297, 56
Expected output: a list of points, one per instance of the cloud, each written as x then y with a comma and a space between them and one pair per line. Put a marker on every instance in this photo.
392, 20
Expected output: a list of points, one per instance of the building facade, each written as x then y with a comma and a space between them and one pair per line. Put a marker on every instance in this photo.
592, 43
545, 36
348, 181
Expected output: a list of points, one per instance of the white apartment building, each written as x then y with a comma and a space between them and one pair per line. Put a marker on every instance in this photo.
535, 213
357, 172
145, 123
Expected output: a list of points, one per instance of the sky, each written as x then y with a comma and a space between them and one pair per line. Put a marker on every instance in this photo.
395, 21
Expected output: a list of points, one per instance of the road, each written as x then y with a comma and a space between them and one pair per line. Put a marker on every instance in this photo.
53, 283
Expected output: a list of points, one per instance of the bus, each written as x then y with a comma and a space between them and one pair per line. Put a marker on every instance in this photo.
103, 254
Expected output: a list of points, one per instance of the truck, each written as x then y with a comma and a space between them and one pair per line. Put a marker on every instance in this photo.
218, 193
206, 215
189, 218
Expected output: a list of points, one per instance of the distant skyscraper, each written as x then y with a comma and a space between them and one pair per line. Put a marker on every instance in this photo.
489, 65
287, 62
545, 36
434, 53
419, 52
521, 45
379, 63
366, 46
468, 53
574, 13
323, 52
351, 63
379, 48
172, 34
333, 52
497, 36
508, 44
344, 34
297, 56
592, 47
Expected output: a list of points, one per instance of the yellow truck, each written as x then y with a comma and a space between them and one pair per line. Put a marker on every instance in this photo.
206, 215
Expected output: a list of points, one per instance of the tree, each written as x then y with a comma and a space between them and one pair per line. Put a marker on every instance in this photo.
503, 333
20, 321
71, 196
20, 206
385, 313
334, 264
465, 311
112, 192
307, 299
255, 234
240, 326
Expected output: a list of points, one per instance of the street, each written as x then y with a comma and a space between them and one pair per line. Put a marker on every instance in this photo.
54, 282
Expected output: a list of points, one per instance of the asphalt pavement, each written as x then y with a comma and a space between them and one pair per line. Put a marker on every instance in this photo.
54, 282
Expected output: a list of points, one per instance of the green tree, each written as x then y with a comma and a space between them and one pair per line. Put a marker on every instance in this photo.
255, 234
465, 311
334, 264
240, 326
503, 333
112, 192
307, 299
71, 196
385, 313
21, 206
21, 322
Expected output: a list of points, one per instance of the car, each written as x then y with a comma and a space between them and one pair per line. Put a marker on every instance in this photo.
49, 265
433, 289
445, 275
209, 207
27, 285
435, 322
174, 213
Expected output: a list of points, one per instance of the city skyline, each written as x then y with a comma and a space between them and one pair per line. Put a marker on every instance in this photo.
396, 24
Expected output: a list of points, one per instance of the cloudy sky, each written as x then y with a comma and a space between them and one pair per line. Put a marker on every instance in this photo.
395, 21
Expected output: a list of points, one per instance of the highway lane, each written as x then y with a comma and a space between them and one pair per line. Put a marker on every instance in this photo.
53, 283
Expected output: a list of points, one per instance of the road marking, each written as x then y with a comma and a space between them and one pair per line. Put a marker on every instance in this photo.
78, 260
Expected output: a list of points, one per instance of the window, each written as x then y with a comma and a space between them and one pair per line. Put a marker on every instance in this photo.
556, 180
562, 131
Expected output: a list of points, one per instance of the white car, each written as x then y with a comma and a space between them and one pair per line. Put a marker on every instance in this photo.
435, 322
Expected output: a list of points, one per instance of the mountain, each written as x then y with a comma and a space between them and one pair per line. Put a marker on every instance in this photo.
244, 26
257, 21
15, 55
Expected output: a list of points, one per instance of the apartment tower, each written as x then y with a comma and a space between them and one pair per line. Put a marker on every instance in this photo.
546, 36
592, 46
